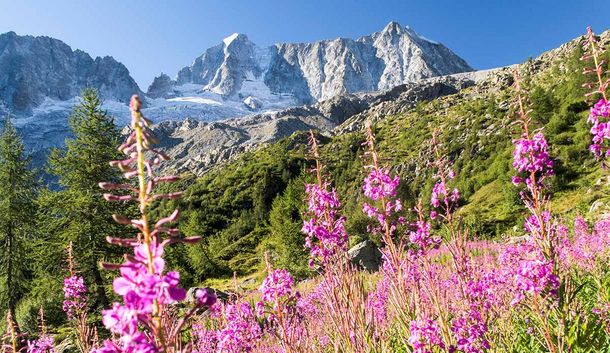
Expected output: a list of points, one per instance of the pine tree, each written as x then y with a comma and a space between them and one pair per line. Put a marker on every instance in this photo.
77, 213
17, 210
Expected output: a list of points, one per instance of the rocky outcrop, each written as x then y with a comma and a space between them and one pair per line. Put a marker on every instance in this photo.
161, 87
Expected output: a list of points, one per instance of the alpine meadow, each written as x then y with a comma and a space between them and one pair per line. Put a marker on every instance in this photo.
369, 195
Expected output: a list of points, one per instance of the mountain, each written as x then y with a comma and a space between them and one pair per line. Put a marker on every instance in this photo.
33, 69
237, 69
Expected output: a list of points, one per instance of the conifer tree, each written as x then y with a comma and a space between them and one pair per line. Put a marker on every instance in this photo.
77, 213
285, 226
17, 194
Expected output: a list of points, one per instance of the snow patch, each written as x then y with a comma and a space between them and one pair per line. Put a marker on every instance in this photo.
230, 39
198, 100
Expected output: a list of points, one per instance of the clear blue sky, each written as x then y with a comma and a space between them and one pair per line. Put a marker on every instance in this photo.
150, 37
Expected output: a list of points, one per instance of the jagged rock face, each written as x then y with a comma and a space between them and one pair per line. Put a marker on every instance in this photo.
223, 68
320, 70
161, 87
408, 57
34, 68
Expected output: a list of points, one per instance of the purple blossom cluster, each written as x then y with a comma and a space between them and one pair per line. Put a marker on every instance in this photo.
534, 277
425, 336
441, 195
600, 129
422, 237
141, 292
74, 295
276, 286
379, 184
325, 231
241, 332
470, 333
531, 160
44, 344
529, 272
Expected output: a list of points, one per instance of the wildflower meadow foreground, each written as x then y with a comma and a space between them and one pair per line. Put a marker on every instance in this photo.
439, 289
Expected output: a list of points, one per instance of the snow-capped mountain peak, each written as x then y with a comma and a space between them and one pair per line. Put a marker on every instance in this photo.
309, 72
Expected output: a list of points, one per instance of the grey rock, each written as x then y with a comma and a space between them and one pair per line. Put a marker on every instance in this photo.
597, 206
190, 294
161, 87
366, 255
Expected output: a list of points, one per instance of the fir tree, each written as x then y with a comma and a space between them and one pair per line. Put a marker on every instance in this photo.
77, 213
17, 194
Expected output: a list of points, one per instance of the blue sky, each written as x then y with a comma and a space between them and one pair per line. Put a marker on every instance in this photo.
150, 37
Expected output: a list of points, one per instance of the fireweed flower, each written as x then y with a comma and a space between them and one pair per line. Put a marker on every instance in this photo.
441, 194
377, 303
600, 111
143, 284
528, 272
534, 277
425, 336
277, 285
205, 340
325, 231
531, 156
600, 129
422, 237
44, 344
380, 186
241, 332
470, 333
74, 294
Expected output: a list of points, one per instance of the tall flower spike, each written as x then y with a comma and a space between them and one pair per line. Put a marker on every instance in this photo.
530, 157
44, 343
379, 186
325, 232
143, 283
600, 111
443, 199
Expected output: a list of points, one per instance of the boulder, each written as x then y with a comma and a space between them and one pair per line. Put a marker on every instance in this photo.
366, 255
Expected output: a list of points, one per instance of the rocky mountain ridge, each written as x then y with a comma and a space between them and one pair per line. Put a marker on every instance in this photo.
309, 72
34, 69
